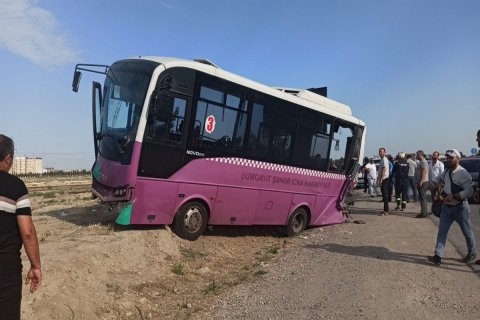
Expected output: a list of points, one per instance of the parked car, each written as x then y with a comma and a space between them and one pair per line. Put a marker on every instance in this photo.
472, 165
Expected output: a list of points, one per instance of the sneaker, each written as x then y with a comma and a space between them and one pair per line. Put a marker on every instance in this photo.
383, 213
470, 257
435, 259
398, 208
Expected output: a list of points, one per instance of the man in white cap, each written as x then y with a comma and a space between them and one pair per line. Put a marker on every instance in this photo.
458, 188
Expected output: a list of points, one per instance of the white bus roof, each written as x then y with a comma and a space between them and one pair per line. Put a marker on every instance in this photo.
298, 96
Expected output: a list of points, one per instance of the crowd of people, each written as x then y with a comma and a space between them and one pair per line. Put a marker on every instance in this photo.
450, 187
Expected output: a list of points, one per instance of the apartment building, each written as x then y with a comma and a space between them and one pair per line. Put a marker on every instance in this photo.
23, 165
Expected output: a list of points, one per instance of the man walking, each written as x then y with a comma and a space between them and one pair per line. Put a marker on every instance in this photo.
16, 228
422, 183
383, 180
455, 207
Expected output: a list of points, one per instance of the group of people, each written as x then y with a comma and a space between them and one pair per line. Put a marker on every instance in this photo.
449, 185
403, 173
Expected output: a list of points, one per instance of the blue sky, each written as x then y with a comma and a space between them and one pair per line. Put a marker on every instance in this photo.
410, 69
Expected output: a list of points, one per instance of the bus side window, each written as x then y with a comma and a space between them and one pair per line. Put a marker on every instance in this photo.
339, 148
220, 122
167, 122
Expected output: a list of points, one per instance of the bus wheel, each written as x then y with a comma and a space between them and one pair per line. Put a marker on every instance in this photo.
191, 220
296, 223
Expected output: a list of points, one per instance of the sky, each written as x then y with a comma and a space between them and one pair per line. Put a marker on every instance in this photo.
409, 69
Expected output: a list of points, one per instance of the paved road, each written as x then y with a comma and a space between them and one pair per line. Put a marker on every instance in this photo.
455, 235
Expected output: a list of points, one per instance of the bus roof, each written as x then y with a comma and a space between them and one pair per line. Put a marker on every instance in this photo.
298, 96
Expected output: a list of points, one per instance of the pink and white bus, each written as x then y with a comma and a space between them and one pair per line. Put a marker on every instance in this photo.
187, 144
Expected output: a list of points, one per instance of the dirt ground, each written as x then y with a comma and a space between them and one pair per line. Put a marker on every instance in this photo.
93, 270
377, 270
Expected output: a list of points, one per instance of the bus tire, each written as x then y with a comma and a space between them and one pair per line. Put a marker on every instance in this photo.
190, 220
297, 222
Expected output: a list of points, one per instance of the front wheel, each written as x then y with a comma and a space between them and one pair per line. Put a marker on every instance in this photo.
296, 223
191, 220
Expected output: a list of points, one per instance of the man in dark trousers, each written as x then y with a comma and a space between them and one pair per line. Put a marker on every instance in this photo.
16, 228
400, 176
383, 180
478, 181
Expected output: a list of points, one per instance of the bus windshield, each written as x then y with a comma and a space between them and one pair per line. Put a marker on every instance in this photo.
124, 95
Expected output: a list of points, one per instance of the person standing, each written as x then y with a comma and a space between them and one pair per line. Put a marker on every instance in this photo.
478, 181
400, 176
392, 182
383, 180
365, 175
422, 183
412, 167
455, 207
435, 171
16, 228
371, 174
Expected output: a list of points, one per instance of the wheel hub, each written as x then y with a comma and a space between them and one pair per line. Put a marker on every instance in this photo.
193, 219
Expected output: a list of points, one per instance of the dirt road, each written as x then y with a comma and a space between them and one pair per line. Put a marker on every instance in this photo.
373, 271
92, 270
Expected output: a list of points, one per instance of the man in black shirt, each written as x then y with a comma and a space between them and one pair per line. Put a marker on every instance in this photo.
400, 176
16, 228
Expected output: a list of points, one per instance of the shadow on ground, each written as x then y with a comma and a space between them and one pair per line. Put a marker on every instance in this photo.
383, 253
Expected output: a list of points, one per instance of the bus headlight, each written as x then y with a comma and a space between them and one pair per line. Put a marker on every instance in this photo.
119, 192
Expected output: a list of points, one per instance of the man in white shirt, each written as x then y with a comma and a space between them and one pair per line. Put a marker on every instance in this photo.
435, 173
383, 180
371, 172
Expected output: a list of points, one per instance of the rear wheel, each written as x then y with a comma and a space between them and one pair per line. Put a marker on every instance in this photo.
191, 220
297, 222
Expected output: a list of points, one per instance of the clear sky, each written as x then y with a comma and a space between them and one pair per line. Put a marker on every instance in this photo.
410, 69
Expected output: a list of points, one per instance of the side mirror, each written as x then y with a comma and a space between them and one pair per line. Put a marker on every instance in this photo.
76, 80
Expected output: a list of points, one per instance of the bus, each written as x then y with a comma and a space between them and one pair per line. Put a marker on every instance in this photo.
184, 143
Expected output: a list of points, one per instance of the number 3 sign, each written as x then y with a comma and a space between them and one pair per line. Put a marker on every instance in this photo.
210, 124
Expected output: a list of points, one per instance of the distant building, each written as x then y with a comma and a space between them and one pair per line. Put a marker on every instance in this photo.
49, 170
23, 165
